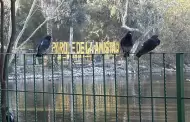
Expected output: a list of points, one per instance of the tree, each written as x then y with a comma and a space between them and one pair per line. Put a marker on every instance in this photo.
5, 56
31, 11
3, 99
12, 45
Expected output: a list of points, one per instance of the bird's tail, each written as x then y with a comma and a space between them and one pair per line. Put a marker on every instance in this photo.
38, 55
140, 53
126, 54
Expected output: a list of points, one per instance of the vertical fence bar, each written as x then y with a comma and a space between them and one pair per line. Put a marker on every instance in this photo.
25, 96
104, 81
94, 92
127, 85
62, 80
83, 104
43, 84
151, 89
165, 89
34, 73
16, 87
73, 91
0, 90
7, 92
139, 90
180, 87
53, 86
116, 89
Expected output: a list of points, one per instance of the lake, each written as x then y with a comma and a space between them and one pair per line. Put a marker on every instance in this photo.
49, 106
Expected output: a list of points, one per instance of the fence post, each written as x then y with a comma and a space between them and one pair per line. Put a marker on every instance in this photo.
180, 87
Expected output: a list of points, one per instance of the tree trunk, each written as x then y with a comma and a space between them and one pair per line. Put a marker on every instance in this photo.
4, 63
3, 98
70, 66
2, 25
3, 92
70, 45
49, 27
3, 85
12, 39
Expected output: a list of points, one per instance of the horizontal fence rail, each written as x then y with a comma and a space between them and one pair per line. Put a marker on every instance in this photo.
99, 88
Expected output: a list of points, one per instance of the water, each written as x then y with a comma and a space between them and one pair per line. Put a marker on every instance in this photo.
44, 111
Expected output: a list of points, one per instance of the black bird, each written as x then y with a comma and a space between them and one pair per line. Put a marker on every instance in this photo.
9, 116
43, 46
148, 45
126, 44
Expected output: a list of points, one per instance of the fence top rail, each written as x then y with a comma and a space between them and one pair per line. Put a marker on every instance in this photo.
94, 53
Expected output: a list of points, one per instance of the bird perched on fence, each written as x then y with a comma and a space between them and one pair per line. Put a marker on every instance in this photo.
126, 43
9, 115
148, 46
43, 46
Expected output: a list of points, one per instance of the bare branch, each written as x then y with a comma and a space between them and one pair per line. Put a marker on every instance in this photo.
124, 18
177, 35
28, 38
137, 42
131, 29
47, 19
25, 24
21, 45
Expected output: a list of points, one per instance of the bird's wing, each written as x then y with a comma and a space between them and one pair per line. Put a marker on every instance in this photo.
149, 44
42, 47
126, 41
40, 44
44, 44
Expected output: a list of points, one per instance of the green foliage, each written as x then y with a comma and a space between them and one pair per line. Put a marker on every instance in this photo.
100, 20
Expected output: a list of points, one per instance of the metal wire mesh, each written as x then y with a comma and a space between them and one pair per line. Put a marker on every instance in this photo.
63, 91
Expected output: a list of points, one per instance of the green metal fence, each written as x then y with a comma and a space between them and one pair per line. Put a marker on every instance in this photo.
97, 91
